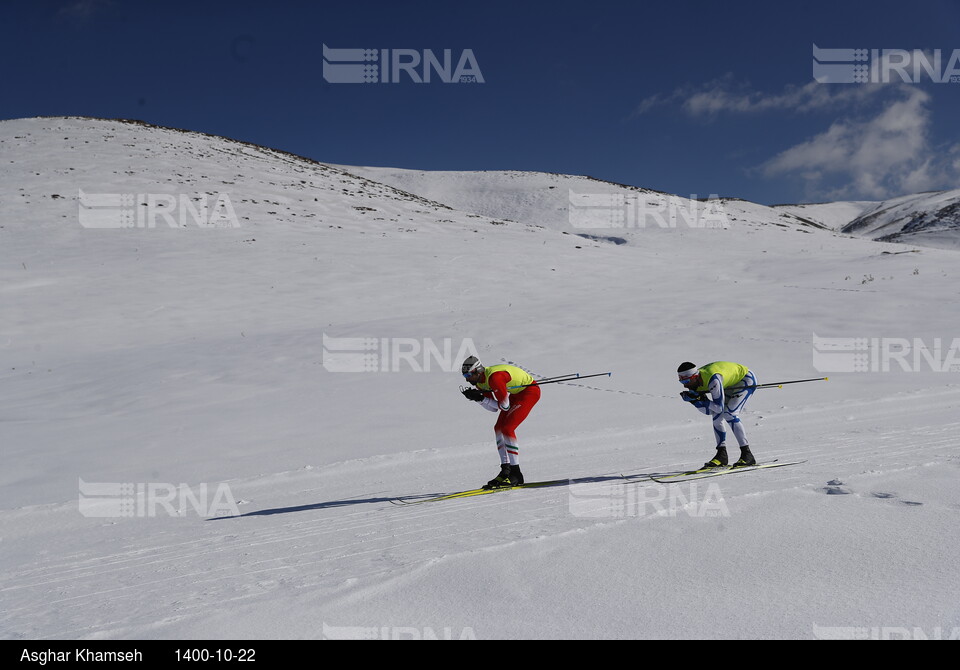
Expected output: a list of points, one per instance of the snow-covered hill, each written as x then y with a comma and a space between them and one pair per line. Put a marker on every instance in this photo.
582, 205
575, 204
930, 219
833, 215
190, 362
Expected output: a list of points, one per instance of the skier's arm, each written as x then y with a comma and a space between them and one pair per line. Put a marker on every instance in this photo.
498, 386
485, 398
698, 400
717, 400
490, 404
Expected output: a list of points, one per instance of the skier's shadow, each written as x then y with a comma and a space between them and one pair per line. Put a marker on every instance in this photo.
639, 478
303, 508
634, 479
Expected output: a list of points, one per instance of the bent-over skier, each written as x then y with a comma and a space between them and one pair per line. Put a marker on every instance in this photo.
721, 390
512, 392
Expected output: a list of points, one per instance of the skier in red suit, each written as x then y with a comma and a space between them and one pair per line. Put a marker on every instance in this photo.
512, 392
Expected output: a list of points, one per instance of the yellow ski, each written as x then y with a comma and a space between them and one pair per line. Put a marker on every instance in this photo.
476, 492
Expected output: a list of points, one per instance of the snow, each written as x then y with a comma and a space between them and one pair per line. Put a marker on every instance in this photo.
190, 356
833, 215
930, 219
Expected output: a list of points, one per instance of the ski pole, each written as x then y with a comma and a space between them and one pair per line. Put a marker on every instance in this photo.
782, 384
779, 385
557, 381
550, 379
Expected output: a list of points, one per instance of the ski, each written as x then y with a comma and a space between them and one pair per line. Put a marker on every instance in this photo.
476, 492
664, 479
687, 473
716, 472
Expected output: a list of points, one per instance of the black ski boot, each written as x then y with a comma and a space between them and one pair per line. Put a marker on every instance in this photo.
719, 460
503, 479
516, 477
746, 457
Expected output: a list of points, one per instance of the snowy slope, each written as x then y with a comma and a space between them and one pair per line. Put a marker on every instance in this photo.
576, 204
195, 355
931, 219
833, 215
558, 202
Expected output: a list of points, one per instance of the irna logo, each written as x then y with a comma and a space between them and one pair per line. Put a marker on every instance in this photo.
151, 210
885, 66
393, 66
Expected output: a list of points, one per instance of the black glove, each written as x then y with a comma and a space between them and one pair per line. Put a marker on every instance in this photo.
472, 394
691, 396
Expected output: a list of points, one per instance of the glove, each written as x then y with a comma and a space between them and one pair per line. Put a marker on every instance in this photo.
472, 394
698, 400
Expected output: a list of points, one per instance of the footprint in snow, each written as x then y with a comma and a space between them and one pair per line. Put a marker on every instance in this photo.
887, 496
835, 488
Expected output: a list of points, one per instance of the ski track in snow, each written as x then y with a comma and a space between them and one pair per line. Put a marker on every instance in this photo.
328, 548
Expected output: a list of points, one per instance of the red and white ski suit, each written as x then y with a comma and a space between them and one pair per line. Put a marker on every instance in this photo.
514, 406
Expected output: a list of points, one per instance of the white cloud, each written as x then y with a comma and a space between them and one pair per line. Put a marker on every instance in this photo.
875, 157
726, 95
878, 146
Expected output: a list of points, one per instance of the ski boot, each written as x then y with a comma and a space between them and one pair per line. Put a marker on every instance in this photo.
746, 457
510, 475
719, 460
501, 480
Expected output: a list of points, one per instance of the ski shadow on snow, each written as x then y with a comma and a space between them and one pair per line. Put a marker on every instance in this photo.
633, 479
305, 508
640, 478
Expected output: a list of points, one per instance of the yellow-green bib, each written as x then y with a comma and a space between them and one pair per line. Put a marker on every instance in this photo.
518, 377
732, 373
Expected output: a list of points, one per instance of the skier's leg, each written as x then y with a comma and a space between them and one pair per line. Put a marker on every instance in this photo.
501, 445
719, 434
736, 402
520, 406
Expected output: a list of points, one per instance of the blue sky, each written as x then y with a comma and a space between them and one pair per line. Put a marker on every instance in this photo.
686, 97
